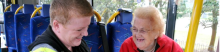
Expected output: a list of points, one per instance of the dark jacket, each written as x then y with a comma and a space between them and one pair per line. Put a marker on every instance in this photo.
164, 44
50, 38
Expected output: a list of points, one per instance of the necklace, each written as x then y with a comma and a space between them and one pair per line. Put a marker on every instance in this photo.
152, 50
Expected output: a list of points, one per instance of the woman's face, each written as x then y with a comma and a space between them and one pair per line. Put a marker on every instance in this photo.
143, 36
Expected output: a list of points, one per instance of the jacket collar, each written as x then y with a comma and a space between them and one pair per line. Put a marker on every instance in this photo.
49, 32
162, 40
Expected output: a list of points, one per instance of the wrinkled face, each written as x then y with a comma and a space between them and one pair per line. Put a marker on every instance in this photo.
71, 33
143, 36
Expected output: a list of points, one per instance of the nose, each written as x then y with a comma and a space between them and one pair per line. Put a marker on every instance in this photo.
85, 33
137, 34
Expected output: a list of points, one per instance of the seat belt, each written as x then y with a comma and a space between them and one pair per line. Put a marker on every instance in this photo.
104, 37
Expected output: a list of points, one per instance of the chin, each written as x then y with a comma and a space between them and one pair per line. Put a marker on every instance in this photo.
140, 47
76, 43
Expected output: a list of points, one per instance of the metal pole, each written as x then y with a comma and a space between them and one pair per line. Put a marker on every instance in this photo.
171, 18
196, 13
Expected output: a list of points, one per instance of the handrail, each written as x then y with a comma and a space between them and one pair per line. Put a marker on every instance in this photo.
112, 17
103, 12
35, 11
196, 13
36, 8
19, 9
7, 8
98, 16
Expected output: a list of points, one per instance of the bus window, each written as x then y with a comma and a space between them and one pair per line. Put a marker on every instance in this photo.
44, 2
108, 7
207, 36
3, 40
1, 12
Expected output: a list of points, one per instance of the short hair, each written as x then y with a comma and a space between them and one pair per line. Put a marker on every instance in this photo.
63, 10
152, 14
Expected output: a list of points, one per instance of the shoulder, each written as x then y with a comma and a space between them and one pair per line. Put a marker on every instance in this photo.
43, 47
128, 45
128, 40
169, 44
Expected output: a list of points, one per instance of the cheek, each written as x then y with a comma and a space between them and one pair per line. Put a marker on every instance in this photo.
69, 36
134, 35
149, 38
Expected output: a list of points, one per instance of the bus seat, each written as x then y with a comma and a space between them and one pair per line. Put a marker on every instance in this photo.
9, 27
39, 24
94, 40
45, 10
14, 7
119, 30
22, 28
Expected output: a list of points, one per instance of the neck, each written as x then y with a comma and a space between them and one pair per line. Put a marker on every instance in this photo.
70, 48
151, 47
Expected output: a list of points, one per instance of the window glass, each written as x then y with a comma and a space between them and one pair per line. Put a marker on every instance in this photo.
207, 35
108, 7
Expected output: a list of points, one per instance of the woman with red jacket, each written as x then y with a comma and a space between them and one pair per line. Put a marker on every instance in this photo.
147, 29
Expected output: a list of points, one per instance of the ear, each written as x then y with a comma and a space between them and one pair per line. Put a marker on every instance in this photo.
157, 35
56, 26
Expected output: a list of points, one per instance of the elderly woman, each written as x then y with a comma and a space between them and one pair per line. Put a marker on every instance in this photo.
147, 29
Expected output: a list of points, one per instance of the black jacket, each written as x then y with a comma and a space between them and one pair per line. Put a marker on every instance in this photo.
50, 38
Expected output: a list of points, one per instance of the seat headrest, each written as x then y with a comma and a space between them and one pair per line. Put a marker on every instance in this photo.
14, 7
125, 15
45, 10
93, 19
38, 6
28, 8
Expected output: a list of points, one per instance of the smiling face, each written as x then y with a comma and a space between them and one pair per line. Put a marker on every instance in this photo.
143, 33
71, 33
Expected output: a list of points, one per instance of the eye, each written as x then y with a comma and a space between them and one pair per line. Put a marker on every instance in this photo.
79, 30
142, 31
134, 29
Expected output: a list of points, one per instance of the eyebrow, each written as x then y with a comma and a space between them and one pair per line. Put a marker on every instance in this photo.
133, 27
83, 27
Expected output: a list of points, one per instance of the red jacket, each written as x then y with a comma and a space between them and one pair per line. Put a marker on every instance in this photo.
165, 43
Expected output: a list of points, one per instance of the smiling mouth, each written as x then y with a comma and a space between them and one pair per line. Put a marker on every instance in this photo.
78, 38
140, 40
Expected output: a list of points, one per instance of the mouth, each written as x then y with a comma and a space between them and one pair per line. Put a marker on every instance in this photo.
140, 40
78, 38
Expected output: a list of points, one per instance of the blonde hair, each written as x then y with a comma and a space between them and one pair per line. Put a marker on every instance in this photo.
63, 10
152, 14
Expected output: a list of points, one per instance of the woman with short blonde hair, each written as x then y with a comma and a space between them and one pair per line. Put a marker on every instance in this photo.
147, 29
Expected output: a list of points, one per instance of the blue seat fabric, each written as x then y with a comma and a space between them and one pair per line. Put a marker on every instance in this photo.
9, 27
94, 39
22, 28
119, 30
39, 24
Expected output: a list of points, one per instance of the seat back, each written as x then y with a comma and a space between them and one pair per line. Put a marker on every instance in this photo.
39, 24
22, 28
119, 30
9, 26
94, 40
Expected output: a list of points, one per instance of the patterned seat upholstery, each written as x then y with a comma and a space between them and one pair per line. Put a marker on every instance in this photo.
94, 40
9, 27
39, 24
22, 28
119, 30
